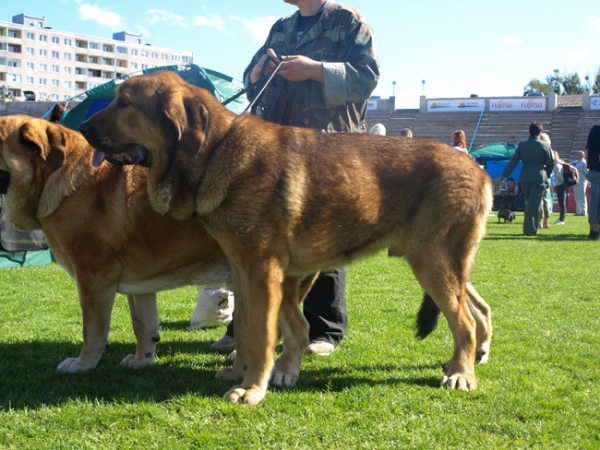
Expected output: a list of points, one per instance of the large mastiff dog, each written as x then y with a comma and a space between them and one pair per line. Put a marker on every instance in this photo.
284, 202
102, 229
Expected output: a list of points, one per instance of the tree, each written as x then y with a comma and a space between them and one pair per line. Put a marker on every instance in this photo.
596, 85
567, 84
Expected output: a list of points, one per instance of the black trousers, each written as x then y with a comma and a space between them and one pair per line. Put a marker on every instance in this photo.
324, 308
560, 196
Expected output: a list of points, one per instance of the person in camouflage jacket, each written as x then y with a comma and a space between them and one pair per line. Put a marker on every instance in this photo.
337, 52
330, 68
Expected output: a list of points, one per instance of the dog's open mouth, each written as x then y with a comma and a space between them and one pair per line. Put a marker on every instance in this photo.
133, 155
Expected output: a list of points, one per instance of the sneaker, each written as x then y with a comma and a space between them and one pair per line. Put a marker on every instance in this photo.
320, 348
225, 345
559, 222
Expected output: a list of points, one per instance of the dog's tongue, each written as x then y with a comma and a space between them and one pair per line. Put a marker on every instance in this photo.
98, 158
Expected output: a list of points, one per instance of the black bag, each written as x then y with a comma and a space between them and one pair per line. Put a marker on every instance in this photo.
570, 175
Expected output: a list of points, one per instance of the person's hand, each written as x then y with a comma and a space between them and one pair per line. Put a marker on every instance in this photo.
298, 68
502, 179
272, 63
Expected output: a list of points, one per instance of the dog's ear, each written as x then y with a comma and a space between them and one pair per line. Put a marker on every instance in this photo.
183, 123
50, 140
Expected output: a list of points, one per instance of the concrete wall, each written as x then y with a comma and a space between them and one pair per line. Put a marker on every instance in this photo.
36, 109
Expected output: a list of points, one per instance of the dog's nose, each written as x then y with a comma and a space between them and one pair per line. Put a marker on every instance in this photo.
85, 128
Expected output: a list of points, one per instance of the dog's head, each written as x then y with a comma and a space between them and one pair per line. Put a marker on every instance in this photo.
31, 150
160, 121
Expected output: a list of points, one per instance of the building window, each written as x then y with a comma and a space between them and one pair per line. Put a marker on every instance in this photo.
13, 77
55, 40
30, 65
67, 84
144, 54
165, 57
56, 55
80, 71
54, 97
30, 80
107, 48
67, 56
12, 64
154, 55
13, 34
92, 60
55, 69
95, 45
55, 83
144, 66
42, 67
107, 62
30, 35
43, 38
67, 70
93, 85
43, 52
134, 65
134, 52
119, 50
43, 81
79, 85
67, 41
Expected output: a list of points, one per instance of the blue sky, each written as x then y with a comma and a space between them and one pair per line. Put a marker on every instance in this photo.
461, 47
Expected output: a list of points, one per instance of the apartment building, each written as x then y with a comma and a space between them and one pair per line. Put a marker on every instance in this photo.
57, 65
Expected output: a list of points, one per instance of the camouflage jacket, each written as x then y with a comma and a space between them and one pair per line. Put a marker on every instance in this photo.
344, 42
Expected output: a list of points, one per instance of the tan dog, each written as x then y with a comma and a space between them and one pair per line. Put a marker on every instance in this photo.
102, 229
283, 202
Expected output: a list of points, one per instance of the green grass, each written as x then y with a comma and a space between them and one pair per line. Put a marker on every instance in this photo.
380, 390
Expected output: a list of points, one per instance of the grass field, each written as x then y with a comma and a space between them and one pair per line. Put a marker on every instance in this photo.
379, 390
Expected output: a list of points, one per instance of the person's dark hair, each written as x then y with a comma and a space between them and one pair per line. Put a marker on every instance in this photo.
459, 139
510, 179
535, 129
407, 132
56, 112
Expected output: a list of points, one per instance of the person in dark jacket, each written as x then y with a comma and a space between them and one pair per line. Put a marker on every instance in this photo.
593, 162
538, 162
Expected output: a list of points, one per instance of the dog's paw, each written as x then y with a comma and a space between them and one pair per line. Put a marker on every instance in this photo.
459, 381
251, 396
229, 373
282, 378
134, 362
73, 365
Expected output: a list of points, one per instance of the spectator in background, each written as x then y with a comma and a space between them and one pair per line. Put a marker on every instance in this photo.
559, 187
579, 189
407, 132
538, 163
548, 200
459, 141
57, 113
593, 163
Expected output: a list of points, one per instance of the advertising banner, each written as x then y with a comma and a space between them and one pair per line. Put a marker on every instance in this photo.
518, 104
470, 104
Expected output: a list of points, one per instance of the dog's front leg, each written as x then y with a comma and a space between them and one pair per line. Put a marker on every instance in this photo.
144, 315
263, 288
294, 329
96, 306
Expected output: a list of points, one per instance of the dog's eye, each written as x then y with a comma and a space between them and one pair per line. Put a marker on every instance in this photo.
122, 103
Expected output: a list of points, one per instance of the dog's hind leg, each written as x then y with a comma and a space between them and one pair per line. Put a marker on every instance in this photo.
294, 329
482, 313
144, 315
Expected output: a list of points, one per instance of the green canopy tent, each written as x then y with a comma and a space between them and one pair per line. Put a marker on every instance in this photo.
494, 158
220, 85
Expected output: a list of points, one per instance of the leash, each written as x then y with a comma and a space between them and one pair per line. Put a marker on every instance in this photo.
253, 85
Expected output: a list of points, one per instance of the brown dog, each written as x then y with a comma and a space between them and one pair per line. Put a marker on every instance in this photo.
101, 228
283, 202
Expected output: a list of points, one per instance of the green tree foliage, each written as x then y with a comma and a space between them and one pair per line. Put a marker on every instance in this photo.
596, 82
567, 84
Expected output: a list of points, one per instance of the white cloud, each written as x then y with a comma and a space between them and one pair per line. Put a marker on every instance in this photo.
512, 40
155, 16
143, 30
258, 27
579, 55
595, 23
102, 16
210, 21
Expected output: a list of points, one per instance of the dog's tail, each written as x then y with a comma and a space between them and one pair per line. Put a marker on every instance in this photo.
427, 317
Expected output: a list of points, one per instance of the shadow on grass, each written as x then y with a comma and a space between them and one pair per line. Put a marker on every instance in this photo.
29, 379
540, 236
